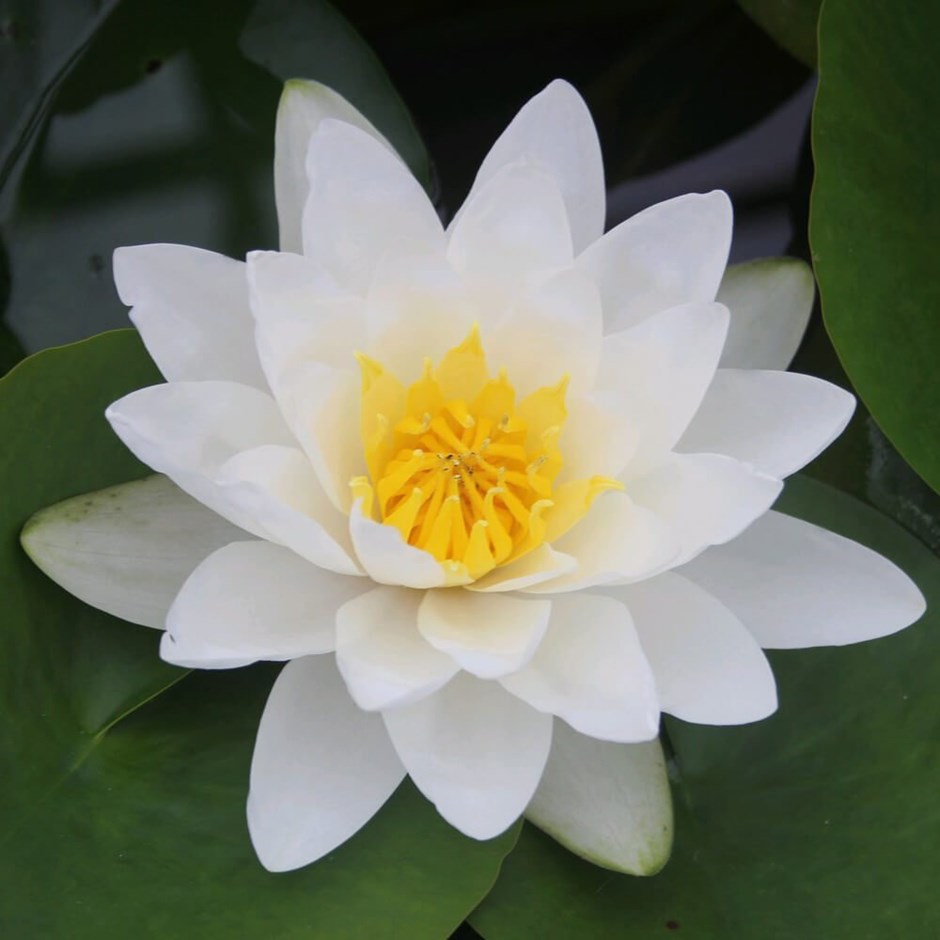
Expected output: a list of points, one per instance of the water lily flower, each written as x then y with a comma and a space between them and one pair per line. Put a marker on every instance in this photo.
498, 493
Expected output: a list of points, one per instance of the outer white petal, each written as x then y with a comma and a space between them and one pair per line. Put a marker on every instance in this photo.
708, 667
303, 106
321, 768
474, 750
541, 564
388, 559
191, 309
364, 206
227, 445
770, 302
126, 549
609, 803
777, 421
276, 487
512, 230
251, 601
555, 132
381, 654
590, 670
489, 635
796, 585
617, 540
655, 375
187, 430
672, 253
705, 499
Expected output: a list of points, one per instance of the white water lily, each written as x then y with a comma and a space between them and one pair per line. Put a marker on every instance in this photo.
500, 493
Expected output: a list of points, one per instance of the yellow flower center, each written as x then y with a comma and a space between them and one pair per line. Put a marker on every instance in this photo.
463, 470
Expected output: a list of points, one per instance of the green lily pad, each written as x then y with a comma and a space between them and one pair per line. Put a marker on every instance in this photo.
875, 212
818, 822
124, 787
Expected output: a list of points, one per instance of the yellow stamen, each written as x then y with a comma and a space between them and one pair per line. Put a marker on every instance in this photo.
460, 469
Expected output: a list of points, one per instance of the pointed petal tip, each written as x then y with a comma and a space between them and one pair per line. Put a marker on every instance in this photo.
610, 804
479, 828
562, 88
277, 851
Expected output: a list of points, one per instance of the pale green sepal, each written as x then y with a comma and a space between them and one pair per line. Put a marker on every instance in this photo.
304, 104
609, 803
126, 549
770, 302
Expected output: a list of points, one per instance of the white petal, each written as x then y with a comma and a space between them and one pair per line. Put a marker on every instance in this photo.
303, 106
777, 421
609, 803
126, 549
672, 253
541, 564
596, 440
554, 330
554, 131
705, 499
364, 206
489, 635
511, 230
708, 667
251, 601
321, 769
655, 375
770, 302
321, 403
187, 430
617, 540
796, 585
474, 750
276, 487
381, 654
191, 309
301, 315
419, 296
388, 559
590, 670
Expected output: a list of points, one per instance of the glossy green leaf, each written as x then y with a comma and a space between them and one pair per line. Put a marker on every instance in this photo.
124, 813
818, 822
875, 212
792, 23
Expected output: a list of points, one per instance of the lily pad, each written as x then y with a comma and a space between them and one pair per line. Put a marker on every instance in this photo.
818, 822
875, 212
124, 787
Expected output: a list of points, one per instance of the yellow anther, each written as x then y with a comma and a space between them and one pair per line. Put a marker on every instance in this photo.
406, 512
479, 558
